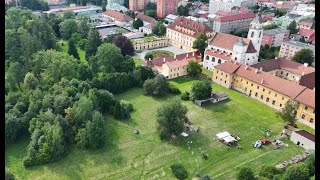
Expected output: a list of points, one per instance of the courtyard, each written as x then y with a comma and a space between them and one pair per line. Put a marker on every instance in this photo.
172, 49
144, 156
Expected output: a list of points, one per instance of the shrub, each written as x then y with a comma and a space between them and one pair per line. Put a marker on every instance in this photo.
297, 171
122, 110
185, 96
179, 171
205, 177
311, 162
9, 176
269, 171
173, 89
245, 173
157, 86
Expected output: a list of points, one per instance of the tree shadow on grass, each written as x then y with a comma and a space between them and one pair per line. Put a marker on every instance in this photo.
218, 107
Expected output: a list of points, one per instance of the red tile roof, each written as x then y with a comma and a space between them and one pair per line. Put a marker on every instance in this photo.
118, 15
284, 64
307, 97
145, 18
159, 62
235, 17
306, 32
312, 37
288, 88
308, 80
178, 63
224, 13
227, 41
306, 23
306, 135
223, 56
194, 26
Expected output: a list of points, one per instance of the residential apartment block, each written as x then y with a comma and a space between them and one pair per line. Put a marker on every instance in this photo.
274, 37
227, 5
225, 47
289, 48
183, 32
233, 22
267, 88
306, 24
165, 7
173, 66
137, 5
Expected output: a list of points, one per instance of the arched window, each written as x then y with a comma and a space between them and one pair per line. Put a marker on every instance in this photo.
207, 57
252, 34
213, 59
219, 61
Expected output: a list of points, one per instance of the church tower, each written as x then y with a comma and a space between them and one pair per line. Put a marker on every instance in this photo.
256, 32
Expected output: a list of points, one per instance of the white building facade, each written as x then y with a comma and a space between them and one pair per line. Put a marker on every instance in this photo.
225, 47
226, 5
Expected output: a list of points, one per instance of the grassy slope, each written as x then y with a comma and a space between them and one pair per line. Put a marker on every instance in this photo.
82, 54
144, 156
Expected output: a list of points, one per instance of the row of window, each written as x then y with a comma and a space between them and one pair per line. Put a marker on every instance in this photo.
303, 117
177, 69
213, 59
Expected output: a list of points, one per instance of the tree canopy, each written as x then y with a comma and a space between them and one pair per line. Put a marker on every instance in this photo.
137, 23
194, 68
170, 117
288, 112
159, 29
304, 56
200, 90
292, 27
201, 43
245, 173
124, 44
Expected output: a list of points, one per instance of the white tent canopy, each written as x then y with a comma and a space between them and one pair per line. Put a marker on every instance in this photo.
229, 139
223, 135
184, 134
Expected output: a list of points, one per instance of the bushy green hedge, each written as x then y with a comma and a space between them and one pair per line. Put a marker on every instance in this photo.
179, 171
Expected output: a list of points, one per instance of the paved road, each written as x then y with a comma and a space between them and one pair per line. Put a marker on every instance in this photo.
173, 49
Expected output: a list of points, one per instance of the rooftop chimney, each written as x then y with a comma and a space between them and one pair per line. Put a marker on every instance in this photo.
246, 67
305, 64
261, 68
314, 88
149, 59
256, 71
262, 81
164, 59
187, 54
303, 73
175, 56
193, 53
276, 57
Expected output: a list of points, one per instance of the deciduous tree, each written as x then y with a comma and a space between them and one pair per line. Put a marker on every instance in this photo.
200, 90
194, 68
124, 44
201, 43
288, 112
304, 56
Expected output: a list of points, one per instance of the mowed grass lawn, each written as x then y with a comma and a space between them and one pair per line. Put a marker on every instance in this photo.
144, 156
64, 48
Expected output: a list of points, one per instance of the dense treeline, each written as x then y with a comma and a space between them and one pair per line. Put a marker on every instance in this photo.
51, 96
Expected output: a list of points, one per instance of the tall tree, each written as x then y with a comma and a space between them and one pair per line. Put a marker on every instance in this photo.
194, 68
109, 58
84, 26
137, 23
124, 44
200, 90
68, 15
94, 41
288, 112
67, 28
72, 50
183, 11
170, 118
159, 29
304, 56
201, 43
292, 27
151, 13
157, 86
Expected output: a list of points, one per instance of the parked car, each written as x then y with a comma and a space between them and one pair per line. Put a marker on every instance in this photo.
265, 141
257, 144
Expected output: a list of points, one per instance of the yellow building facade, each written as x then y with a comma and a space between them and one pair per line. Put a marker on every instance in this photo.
141, 44
260, 91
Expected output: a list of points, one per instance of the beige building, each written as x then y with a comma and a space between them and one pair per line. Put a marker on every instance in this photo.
118, 18
289, 48
267, 88
173, 66
183, 32
303, 139
141, 44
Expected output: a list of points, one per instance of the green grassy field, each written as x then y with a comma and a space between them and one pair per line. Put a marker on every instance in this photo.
160, 53
82, 54
137, 61
144, 156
